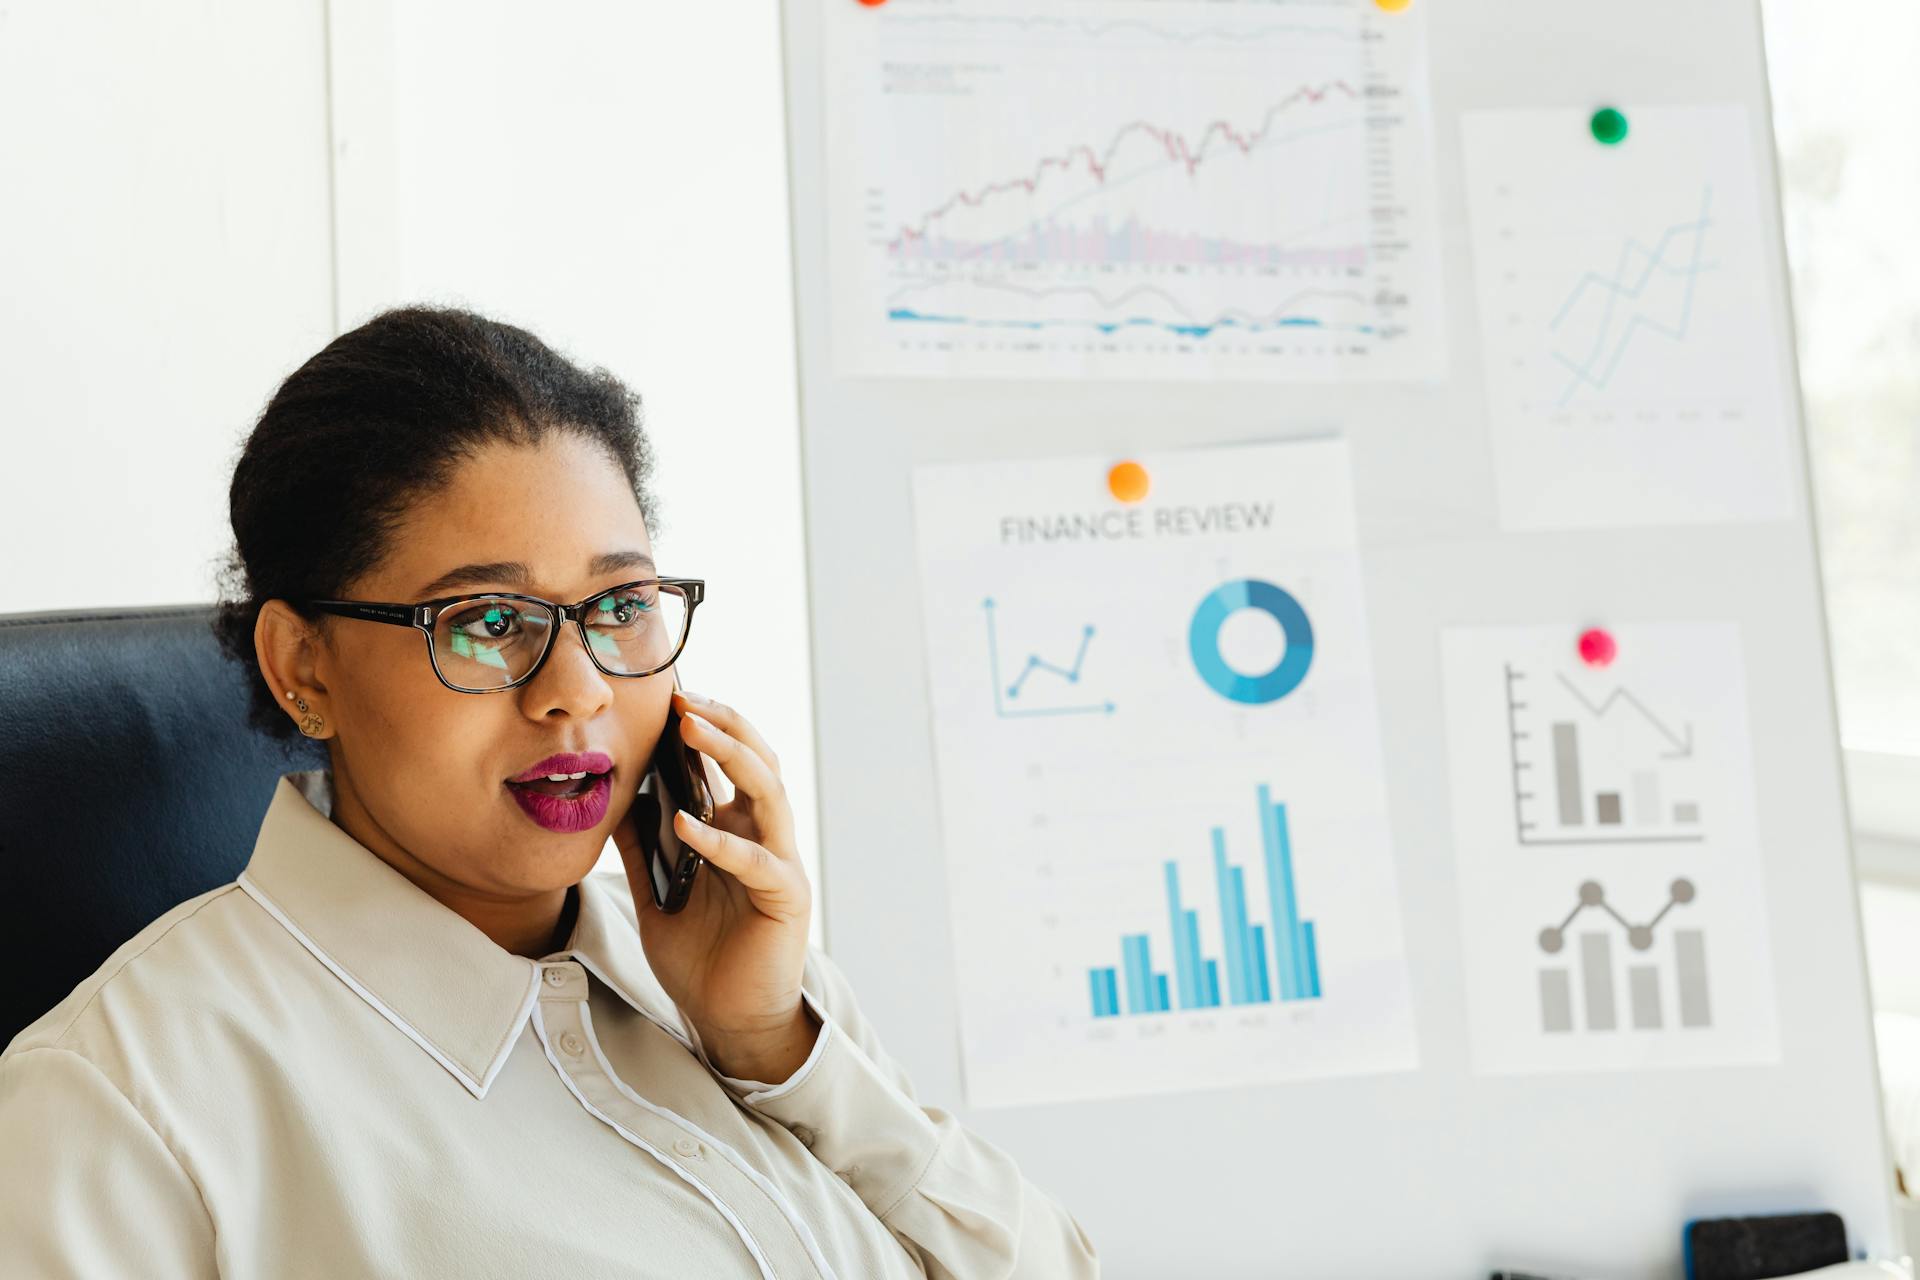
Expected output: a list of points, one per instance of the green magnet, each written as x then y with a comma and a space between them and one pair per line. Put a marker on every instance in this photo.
1609, 126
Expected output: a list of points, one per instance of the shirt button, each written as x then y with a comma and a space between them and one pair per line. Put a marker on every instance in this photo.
851, 1172
572, 1045
556, 977
686, 1147
805, 1135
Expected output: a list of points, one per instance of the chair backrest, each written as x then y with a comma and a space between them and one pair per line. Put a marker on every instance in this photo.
129, 782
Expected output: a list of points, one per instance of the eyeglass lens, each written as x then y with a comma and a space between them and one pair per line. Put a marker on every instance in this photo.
489, 642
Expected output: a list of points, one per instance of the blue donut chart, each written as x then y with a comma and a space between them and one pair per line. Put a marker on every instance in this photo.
1203, 641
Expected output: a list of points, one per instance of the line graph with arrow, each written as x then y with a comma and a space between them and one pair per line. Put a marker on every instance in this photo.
1601, 767
1009, 702
1682, 743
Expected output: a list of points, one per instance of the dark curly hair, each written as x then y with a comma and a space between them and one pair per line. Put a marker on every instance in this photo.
381, 415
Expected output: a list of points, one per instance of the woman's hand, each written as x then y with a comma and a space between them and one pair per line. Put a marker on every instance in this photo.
732, 958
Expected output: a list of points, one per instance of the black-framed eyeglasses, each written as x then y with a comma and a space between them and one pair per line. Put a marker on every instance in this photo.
491, 643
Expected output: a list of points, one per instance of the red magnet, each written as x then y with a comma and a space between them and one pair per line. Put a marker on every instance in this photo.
1597, 647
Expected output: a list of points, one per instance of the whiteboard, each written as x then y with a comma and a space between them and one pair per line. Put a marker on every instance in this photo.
1479, 550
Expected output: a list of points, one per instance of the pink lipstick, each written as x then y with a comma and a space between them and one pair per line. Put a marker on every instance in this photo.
567, 792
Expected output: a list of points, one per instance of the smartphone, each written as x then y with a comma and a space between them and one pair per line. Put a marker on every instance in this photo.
677, 778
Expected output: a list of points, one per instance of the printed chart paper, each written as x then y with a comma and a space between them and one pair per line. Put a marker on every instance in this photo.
1160, 776
1131, 189
1632, 350
1611, 888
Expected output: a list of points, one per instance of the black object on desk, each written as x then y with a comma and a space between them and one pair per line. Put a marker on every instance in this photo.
1755, 1248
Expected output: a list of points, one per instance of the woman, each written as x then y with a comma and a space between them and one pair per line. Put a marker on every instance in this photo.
415, 1036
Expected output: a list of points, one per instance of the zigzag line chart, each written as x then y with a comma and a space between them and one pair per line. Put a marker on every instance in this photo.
1630, 304
1161, 146
1619, 295
1202, 194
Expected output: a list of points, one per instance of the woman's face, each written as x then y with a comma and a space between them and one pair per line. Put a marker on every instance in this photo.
424, 768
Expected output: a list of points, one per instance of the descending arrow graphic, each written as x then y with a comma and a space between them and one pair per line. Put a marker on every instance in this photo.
1682, 745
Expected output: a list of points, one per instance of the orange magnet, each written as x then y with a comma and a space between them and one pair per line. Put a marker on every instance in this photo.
1128, 481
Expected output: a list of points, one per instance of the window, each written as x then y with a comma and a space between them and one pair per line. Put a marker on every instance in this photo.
1845, 97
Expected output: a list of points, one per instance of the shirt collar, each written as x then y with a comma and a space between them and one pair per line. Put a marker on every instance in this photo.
448, 987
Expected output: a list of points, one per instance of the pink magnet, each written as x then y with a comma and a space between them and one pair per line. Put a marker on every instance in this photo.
1597, 647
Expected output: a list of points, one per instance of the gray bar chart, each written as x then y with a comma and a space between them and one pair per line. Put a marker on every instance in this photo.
1690, 952
1566, 773
1646, 980
1611, 856
1556, 1000
1596, 980
1595, 769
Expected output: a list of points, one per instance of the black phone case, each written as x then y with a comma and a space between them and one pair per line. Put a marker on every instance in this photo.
676, 780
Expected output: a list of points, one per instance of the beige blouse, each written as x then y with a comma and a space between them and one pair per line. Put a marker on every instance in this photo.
319, 1070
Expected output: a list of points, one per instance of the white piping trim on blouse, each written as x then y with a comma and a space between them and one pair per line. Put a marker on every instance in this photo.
478, 1088
753, 1090
733, 1157
739, 1227
758, 1091
580, 958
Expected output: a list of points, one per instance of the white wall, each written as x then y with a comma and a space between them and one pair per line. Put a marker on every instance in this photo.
611, 176
165, 262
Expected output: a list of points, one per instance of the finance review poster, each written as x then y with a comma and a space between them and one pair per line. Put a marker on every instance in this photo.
1164, 821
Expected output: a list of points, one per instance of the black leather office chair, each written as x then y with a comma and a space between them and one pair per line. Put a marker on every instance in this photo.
129, 782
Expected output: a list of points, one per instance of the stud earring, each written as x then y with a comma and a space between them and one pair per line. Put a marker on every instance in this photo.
311, 722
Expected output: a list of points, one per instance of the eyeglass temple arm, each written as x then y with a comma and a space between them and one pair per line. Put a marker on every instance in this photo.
695, 588
399, 615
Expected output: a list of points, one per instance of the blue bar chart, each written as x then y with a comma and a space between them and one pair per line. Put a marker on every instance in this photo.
1264, 963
